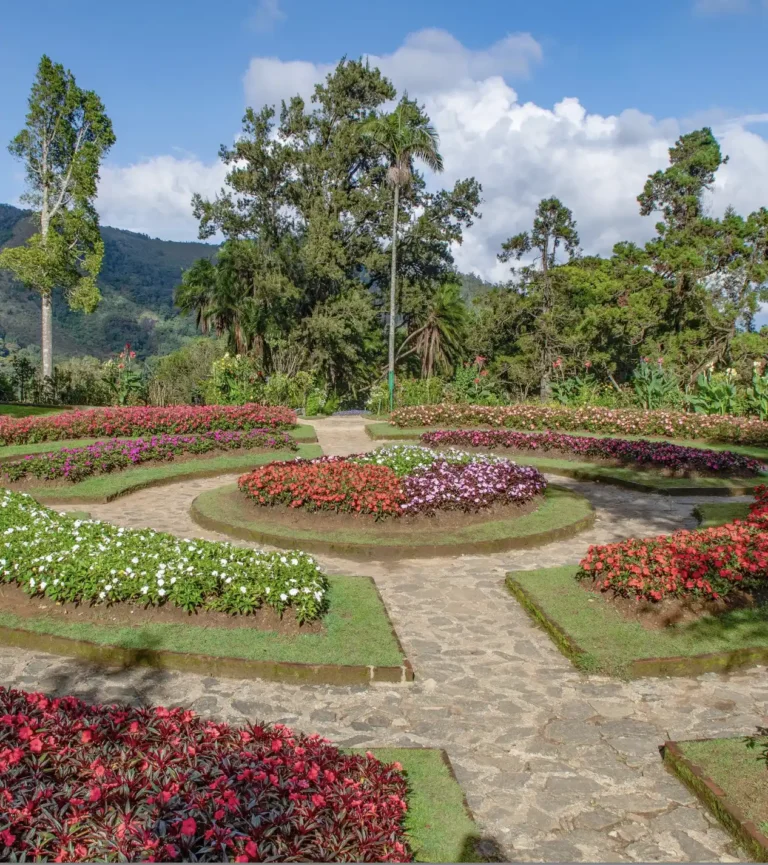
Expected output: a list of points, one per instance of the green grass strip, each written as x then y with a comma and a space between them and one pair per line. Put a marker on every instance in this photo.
27, 410
106, 487
711, 514
609, 643
357, 631
437, 822
737, 771
560, 508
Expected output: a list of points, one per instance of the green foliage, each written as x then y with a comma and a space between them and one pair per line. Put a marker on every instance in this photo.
656, 386
235, 380
180, 377
124, 377
716, 392
756, 397
472, 383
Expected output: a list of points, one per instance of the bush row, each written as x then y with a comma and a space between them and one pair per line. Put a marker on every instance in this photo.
77, 464
524, 416
136, 421
88, 561
94, 783
661, 455
708, 563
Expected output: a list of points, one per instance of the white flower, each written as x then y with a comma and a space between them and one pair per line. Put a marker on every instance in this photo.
144, 590
283, 597
161, 592
267, 590
243, 590
294, 561
160, 582
135, 560
102, 595
293, 592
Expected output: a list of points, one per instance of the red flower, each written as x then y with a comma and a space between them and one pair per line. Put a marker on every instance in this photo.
188, 826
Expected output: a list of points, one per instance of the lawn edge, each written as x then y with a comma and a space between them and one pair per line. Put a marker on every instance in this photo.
107, 655
745, 832
639, 668
362, 551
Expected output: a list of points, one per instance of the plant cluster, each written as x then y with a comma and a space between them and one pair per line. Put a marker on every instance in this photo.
708, 563
77, 464
95, 783
661, 455
136, 421
531, 416
88, 561
393, 482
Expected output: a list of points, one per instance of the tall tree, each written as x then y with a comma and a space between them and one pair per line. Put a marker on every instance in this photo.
403, 135
66, 136
553, 226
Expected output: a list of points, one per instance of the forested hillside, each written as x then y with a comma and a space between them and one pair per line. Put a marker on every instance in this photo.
137, 281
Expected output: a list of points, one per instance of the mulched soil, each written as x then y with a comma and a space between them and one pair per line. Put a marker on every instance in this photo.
14, 600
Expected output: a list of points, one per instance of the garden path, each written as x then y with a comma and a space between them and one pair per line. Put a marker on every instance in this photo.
556, 765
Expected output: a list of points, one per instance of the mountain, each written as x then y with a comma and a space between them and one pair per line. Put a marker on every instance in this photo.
137, 280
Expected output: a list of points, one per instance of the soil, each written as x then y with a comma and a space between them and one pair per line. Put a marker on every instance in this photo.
657, 615
31, 482
442, 521
14, 600
553, 453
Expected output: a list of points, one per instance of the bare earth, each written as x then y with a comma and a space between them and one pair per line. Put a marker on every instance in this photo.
556, 765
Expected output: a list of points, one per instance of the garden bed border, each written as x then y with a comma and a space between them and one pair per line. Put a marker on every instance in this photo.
676, 665
715, 800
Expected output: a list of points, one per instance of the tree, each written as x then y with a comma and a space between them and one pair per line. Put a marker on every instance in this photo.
67, 134
403, 135
553, 226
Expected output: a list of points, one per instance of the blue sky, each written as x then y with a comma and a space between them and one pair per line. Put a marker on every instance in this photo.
578, 98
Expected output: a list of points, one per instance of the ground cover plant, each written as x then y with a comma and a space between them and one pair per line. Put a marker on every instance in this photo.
77, 464
90, 783
670, 457
706, 563
528, 416
145, 420
88, 561
394, 482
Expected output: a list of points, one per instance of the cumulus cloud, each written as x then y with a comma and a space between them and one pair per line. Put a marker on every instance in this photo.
266, 16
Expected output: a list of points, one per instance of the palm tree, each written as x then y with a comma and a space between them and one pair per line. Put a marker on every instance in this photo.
403, 135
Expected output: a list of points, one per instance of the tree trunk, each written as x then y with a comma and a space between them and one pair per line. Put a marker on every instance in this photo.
46, 343
392, 300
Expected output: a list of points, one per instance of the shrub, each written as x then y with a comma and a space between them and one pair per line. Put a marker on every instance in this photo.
88, 561
708, 563
94, 783
530, 416
716, 392
655, 386
135, 421
663, 455
76, 464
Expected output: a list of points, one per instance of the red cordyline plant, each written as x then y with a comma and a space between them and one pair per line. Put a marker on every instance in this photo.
525, 416
94, 783
708, 563
143, 420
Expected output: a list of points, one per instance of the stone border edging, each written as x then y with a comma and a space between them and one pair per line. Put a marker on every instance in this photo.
292, 672
714, 799
678, 665
361, 551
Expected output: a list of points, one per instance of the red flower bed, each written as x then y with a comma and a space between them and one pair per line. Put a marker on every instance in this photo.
94, 783
328, 483
709, 563
136, 421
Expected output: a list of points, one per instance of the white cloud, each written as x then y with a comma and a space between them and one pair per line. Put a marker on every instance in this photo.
266, 16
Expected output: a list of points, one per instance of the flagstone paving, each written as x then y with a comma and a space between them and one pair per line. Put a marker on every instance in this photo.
556, 765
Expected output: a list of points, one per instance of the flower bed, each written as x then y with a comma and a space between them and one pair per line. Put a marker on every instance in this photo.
394, 482
88, 561
720, 428
707, 563
76, 464
662, 455
93, 783
136, 421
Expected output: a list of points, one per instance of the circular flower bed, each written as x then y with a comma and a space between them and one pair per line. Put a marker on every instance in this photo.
394, 482
94, 783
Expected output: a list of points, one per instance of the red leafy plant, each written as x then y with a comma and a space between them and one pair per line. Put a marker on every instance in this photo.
708, 563
93, 783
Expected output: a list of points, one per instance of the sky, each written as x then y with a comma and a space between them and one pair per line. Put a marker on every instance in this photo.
575, 98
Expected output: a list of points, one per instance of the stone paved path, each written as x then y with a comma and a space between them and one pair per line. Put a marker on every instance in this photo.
556, 765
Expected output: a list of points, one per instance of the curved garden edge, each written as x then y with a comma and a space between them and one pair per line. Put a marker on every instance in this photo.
204, 507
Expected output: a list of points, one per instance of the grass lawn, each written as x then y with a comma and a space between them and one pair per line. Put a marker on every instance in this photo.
232, 512
302, 433
438, 825
109, 486
606, 642
27, 410
737, 771
357, 631
713, 514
